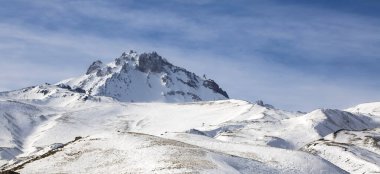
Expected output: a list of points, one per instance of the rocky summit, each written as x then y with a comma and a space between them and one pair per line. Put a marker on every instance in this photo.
145, 77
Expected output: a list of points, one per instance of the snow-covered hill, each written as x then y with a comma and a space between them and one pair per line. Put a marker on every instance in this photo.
151, 136
89, 125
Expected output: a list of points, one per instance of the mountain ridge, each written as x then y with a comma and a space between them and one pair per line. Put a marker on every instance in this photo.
150, 76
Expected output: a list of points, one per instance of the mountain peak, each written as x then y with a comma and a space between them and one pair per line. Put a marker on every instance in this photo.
146, 77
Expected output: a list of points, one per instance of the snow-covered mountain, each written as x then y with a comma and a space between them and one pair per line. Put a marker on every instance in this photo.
89, 124
145, 77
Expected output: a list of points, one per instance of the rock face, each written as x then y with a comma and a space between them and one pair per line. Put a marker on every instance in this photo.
215, 87
152, 62
145, 77
94, 67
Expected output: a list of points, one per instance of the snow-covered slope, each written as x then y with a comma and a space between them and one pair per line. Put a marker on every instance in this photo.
140, 153
145, 77
151, 136
276, 128
230, 135
16, 122
371, 109
354, 151
141, 114
46, 94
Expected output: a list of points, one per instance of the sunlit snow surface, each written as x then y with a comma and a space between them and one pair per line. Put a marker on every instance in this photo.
141, 114
227, 136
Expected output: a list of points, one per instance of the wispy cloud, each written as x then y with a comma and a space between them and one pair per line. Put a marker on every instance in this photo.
294, 56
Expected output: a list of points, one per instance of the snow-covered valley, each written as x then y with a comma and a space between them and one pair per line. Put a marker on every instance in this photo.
128, 117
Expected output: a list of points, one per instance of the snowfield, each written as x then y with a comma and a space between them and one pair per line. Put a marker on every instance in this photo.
79, 126
231, 136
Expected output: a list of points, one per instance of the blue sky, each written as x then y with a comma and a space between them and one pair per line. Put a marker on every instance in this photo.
296, 55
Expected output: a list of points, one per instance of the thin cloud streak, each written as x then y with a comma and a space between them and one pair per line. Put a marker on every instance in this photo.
296, 62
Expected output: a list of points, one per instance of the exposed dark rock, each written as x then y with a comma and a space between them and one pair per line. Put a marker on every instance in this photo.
94, 67
190, 83
124, 68
43, 91
189, 75
196, 132
64, 86
118, 61
100, 73
85, 98
166, 79
215, 87
49, 153
194, 97
261, 103
78, 90
175, 92
152, 62
109, 70
9, 172
28, 88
